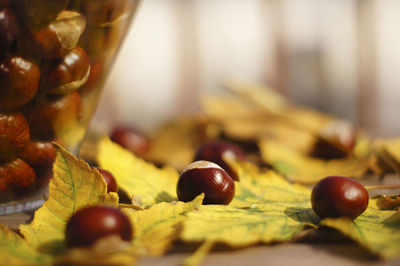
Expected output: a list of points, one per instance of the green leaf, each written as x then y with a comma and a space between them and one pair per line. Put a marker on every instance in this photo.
157, 227
74, 185
15, 251
376, 230
147, 183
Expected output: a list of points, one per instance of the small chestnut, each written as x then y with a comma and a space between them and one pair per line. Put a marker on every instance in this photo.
14, 134
218, 151
19, 79
39, 154
208, 178
17, 174
131, 139
92, 223
337, 196
69, 73
110, 180
50, 115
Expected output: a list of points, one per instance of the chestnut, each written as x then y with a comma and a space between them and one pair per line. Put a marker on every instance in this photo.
50, 115
68, 74
110, 180
14, 134
217, 151
208, 178
131, 139
19, 79
100, 12
38, 13
92, 223
59, 37
8, 31
16, 174
337, 196
40, 155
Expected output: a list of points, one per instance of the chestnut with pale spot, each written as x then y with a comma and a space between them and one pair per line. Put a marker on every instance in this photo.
337, 196
208, 178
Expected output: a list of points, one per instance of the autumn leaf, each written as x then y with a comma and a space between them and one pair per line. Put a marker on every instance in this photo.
175, 142
302, 168
388, 154
147, 183
157, 227
14, 250
266, 208
74, 185
376, 230
106, 251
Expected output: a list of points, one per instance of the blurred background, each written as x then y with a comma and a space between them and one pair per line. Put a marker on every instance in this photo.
340, 57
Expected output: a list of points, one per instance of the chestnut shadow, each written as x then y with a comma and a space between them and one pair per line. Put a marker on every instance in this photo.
164, 196
303, 215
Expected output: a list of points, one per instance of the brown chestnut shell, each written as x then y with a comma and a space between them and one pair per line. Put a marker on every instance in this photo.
40, 155
49, 115
90, 224
109, 178
337, 196
69, 73
19, 79
16, 174
208, 178
218, 151
14, 134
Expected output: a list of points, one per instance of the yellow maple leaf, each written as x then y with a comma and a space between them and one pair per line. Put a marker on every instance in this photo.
157, 227
74, 185
302, 168
14, 250
265, 208
147, 183
388, 151
175, 142
376, 230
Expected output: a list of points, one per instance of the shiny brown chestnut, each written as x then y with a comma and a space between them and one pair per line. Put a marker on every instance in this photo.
19, 79
90, 224
39, 154
9, 30
131, 139
38, 13
14, 135
219, 151
58, 38
50, 115
16, 174
110, 180
100, 12
208, 178
69, 73
337, 196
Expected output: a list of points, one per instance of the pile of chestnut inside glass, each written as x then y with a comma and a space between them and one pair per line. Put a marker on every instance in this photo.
52, 57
